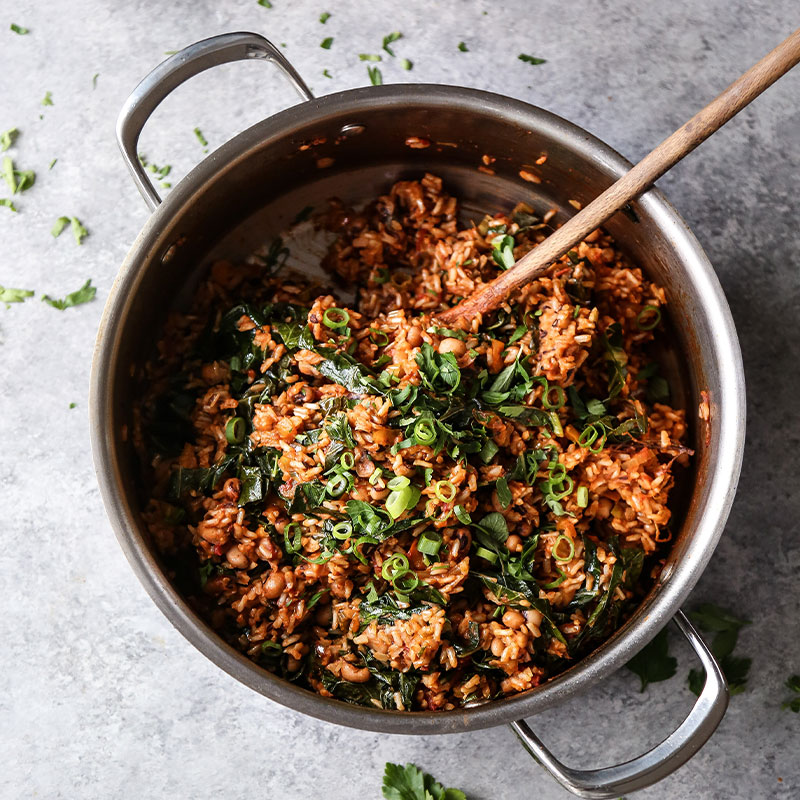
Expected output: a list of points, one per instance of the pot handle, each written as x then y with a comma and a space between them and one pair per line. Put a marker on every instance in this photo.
663, 759
170, 74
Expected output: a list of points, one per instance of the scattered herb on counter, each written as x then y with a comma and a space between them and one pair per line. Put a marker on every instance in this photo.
375, 76
725, 626
9, 296
388, 39
52, 163
202, 139
463, 47
7, 138
653, 663
793, 685
160, 172
78, 231
18, 29
17, 180
47, 100
76, 298
324, 17
531, 59
265, 3
94, 80
326, 43
5, 201
406, 64
369, 57
411, 783
326, 73
73, 405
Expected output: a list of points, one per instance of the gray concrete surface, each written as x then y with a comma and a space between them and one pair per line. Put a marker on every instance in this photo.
99, 696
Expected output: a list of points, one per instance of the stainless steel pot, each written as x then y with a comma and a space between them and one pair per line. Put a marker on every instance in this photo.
353, 144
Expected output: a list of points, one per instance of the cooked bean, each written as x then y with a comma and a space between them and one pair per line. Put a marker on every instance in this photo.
514, 543
236, 558
354, 674
274, 585
454, 346
498, 645
414, 336
513, 619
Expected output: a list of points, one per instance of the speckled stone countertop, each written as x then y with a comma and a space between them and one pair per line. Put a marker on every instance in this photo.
99, 696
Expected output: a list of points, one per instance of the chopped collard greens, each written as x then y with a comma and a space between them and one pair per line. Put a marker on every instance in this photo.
531, 59
400, 514
653, 663
76, 298
79, 232
793, 703
411, 783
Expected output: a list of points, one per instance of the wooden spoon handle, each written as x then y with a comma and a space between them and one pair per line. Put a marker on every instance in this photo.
758, 78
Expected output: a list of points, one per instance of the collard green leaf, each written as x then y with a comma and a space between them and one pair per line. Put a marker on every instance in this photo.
653, 663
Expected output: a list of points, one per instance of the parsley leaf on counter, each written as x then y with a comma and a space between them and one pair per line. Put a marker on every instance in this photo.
76, 298
94, 80
326, 73
387, 40
326, 43
324, 17
8, 296
4, 201
531, 59
653, 663
47, 100
793, 704
7, 138
462, 46
368, 57
411, 783
406, 64
725, 626
265, 3
375, 76
19, 29
202, 139
18, 180
78, 231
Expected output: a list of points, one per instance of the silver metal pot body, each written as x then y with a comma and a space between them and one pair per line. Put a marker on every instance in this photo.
353, 145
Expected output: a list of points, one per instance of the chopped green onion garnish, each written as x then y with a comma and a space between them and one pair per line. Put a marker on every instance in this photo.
560, 397
399, 482
554, 552
396, 564
558, 430
601, 443
562, 576
462, 514
348, 460
429, 543
335, 317
648, 318
342, 530
396, 502
376, 476
445, 491
588, 436
336, 485
425, 431
405, 581
482, 552
293, 544
378, 337
582, 497
234, 430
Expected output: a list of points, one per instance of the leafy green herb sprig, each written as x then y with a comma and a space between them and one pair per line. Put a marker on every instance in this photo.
411, 783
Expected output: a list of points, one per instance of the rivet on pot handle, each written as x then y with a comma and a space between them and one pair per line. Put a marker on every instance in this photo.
170, 74
675, 750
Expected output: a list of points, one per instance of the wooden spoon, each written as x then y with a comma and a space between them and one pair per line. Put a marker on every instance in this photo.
537, 261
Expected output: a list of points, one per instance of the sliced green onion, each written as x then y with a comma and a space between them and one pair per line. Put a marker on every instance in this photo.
588, 436
337, 485
399, 482
562, 576
335, 317
556, 423
482, 552
376, 476
567, 485
582, 497
348, 460
394, 565
557, 472
554, 552
429, 543
397, 502
601, 443
425, 431
645, 314
378, 337
342, 530
462, 514
381, 275
234, 430
560, 397
293, 543
405, 581
445, 491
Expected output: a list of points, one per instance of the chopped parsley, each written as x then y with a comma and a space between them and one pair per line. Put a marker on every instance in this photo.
73, 405
375, 77
411, 783
406, 64
160, 172
76, 298
369, 57
326, 73
18, 29
265, 3
5, 201
17, 180
324, 17
326, 43
9, 296
462, 46
725, 626
653, 663
388, 39
531, 59
47, 100
793, 703
202, 139
52, 163
7, 138
94, 80
78, 230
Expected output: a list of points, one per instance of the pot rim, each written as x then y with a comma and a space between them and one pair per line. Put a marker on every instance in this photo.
614, 652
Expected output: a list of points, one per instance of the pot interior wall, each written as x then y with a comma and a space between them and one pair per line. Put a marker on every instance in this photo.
247, 192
